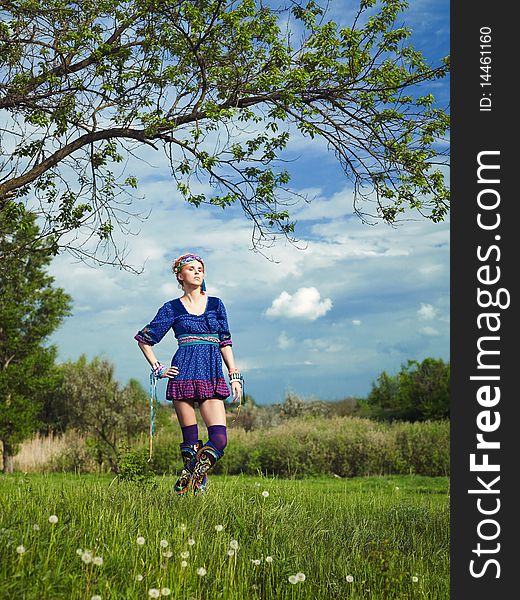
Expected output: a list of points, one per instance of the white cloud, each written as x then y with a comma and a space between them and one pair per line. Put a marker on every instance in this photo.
284, 341
427, 312
428, 331
306, 304
356, 322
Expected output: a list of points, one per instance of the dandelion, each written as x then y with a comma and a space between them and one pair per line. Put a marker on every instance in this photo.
268, 559
86, 557
350, 579
219, 527
293, 579
231, 552
185, 554
53, 519
139, 577
168, 554
201, 571
36, 527
140, 540
154, 593
163, 543
98, 560
191, 541
300, 576
165, 591
79, 551
255, 561
184, 564
96, 597
265, 493
415, 579
20, 549
233, 544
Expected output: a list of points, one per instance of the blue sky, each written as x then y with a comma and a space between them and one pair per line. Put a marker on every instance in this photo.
322, 322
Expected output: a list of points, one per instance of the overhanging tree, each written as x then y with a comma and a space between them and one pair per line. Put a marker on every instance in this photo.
220, 87
30, 310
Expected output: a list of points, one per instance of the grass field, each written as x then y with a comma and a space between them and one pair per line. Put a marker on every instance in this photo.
363, 538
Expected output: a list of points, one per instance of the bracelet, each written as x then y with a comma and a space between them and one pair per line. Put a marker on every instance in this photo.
236, 376
158, 369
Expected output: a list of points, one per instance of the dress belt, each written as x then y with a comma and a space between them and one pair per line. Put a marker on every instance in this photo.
193, 339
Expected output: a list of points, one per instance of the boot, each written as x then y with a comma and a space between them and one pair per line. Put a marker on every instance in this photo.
189, 456
206, 457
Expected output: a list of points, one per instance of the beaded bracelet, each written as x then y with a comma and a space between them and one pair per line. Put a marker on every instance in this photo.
236, 376
158, 369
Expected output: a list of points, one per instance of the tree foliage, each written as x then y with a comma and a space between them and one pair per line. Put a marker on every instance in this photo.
30, 310
93, 402
419, 392
220, 87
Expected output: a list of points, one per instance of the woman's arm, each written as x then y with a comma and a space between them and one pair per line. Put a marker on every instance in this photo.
236, 386
150, 357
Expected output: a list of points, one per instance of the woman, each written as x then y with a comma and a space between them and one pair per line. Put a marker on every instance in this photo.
199, 323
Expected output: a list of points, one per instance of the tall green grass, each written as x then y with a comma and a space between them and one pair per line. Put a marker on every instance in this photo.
388, 535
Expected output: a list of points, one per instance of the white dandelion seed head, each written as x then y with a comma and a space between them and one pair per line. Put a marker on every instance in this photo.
163, 543
140, 541
233, 544
185, 554
201, 571
53, 519
265, 493
191, 541
36, 527
165, 591
167, 554
350, 579
86, 557
20, 549
154, 593
415, 579
79, 551
268, 559
184, 564
219, 527
300, 576
293, 579
231, 552
139, 577
98, 560
96, 597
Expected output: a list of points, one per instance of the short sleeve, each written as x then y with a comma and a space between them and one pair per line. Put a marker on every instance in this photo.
223, 334
154, 332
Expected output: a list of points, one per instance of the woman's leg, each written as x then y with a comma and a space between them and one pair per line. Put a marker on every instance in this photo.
188, 421
185, 411
214, 415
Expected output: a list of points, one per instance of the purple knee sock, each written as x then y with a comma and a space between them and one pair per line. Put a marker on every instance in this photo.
190, 434
217, 436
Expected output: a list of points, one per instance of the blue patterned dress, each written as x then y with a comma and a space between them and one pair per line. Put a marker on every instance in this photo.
200, 364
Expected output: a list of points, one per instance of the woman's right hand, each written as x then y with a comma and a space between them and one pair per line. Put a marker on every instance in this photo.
170, 372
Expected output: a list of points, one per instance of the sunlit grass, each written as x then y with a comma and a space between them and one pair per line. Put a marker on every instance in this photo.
373, 538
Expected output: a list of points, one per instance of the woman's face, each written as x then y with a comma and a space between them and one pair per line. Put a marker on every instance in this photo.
192, 273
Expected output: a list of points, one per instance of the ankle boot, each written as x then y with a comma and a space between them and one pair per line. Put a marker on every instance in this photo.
206, 457
189, 456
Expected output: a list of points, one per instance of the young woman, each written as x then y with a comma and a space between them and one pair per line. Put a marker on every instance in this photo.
200, 325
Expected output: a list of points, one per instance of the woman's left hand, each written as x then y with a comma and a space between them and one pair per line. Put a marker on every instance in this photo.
236, 388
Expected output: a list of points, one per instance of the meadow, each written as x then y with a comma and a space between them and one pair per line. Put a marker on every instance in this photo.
95, 537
